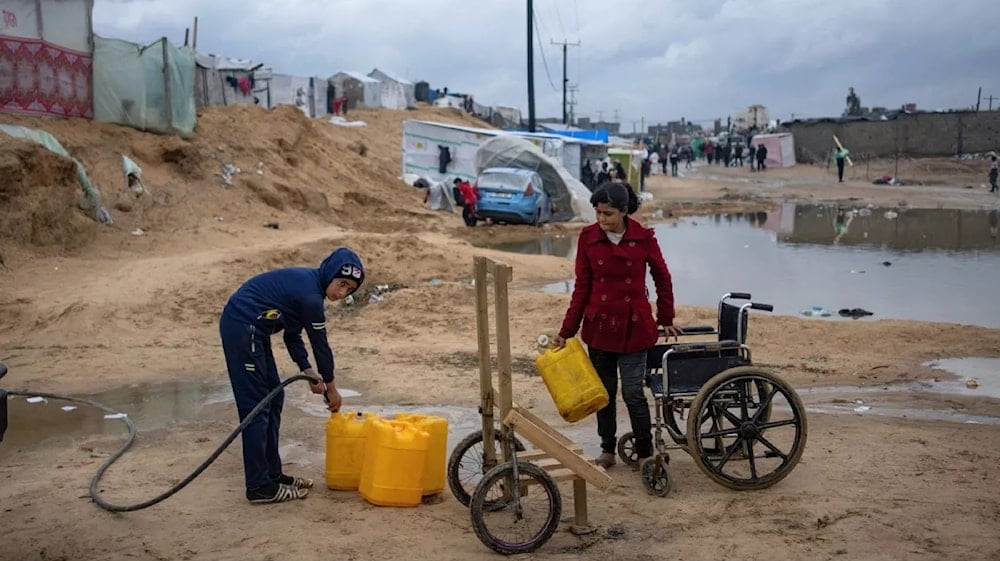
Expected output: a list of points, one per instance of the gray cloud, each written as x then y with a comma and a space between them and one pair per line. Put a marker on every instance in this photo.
648, 61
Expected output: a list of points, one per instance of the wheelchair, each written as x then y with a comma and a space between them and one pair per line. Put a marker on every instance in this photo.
744, 426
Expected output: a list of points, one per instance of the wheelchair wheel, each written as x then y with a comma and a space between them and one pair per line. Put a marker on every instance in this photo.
511, 521
465, 465
626, 449
747, 428
656, 476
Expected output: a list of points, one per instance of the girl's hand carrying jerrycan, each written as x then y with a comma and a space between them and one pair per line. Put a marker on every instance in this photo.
570, 378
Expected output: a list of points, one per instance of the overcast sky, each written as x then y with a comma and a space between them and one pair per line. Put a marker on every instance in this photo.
653, 60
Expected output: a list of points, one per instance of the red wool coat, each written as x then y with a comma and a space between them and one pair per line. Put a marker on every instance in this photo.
610, 295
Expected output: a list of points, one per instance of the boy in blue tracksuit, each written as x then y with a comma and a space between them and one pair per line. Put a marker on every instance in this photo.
291, 300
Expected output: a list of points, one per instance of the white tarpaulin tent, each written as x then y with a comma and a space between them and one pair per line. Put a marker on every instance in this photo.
306, 93
222, 80
424, 142
780, 148
361, 91
570, 197
396, 92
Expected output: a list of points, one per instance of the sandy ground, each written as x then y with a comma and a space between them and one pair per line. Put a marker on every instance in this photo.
87, 309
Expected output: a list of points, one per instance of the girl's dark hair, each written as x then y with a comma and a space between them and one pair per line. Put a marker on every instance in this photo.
617, 195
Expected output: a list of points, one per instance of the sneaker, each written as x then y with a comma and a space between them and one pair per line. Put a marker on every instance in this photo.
297, 482
275, 493
605, 460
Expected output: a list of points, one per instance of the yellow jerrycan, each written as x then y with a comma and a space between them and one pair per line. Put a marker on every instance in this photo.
345, 449
392, 474
571, 379
437, 452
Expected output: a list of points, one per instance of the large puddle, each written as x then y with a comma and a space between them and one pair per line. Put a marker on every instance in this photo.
920, 264
157, 406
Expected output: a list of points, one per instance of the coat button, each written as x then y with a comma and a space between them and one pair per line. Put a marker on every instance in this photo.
628, 281
629, 262
631, 244
600, 261
604, 316
604, 297
635, 318
627, 299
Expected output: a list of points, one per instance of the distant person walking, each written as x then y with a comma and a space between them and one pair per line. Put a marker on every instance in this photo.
753, 156
675, 157
761, 157
739, 155
841, 154
993, 173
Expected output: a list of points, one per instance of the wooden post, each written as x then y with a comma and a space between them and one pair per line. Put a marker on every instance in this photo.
194, 35
168, 114
502, 275
581, 524
187, 31
485, 368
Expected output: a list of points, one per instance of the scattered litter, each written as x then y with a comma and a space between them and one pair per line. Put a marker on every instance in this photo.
434, 282
68, 408
382, 288
864, 212
972, 383
645, 196
375, 298
138, 232
816, 311
858, 272
859, 401
656, 214
133, 176
342, 122
890, 214
272, 225
36, 399
218, 219
228, 171
115, 416
854, 312
887, 263
862, 408
349, 301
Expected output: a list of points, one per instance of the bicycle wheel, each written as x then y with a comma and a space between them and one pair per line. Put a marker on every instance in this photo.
465, 465
520, 520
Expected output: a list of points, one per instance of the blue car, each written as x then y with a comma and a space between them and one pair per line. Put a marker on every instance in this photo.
513, 196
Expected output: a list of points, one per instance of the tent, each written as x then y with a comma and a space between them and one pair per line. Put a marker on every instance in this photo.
361, 91
571, 198
424, 142
780, 148
149, 87
222, 80
397, 93
306, 93
46, 58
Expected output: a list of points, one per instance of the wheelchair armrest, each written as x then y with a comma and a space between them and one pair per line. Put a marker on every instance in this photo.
690, 330
708, 346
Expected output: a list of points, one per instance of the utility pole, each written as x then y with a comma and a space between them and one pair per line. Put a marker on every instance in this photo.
979, 97
531, 72
565, 79
572, 104
990, 98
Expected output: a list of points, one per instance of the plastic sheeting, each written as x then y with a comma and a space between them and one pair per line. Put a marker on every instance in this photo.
45, 58
150, 88
571, 198
50, 143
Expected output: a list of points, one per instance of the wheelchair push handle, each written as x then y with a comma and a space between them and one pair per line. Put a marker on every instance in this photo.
739, 295
761, 307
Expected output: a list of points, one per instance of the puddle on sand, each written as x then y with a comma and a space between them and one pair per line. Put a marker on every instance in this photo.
800, 256
848, 399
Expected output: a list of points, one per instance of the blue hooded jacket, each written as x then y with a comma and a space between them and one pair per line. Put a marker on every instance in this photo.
292, 300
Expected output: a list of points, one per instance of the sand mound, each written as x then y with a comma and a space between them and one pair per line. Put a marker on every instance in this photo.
38, 198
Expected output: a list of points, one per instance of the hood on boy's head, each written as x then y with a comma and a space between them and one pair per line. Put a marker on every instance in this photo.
342, 263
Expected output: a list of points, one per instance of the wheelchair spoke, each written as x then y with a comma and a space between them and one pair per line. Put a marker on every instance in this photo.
723, 432
764, 405
753, 462
766, 442
775, 424
728, 454
744, 397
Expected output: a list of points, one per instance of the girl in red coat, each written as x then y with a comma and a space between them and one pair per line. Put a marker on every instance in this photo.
611, 300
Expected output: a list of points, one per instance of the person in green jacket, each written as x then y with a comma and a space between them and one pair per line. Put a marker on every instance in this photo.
841, 154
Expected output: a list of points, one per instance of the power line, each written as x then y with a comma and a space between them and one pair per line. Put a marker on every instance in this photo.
559, 17
545, 63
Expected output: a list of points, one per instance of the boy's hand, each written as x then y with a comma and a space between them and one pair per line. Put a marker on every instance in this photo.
333, 399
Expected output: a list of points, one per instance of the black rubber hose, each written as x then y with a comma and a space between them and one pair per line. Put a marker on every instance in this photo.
95, 494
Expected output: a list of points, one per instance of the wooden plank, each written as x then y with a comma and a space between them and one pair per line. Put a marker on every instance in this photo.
504, 369
533, 455
594, 475
558, 436
499, 269
485, 366
580, 504
841, 146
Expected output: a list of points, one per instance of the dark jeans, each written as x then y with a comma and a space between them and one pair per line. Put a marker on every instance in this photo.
633, 373
840, 169
253, 375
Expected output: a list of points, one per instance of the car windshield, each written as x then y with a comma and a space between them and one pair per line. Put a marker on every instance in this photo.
497, 180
